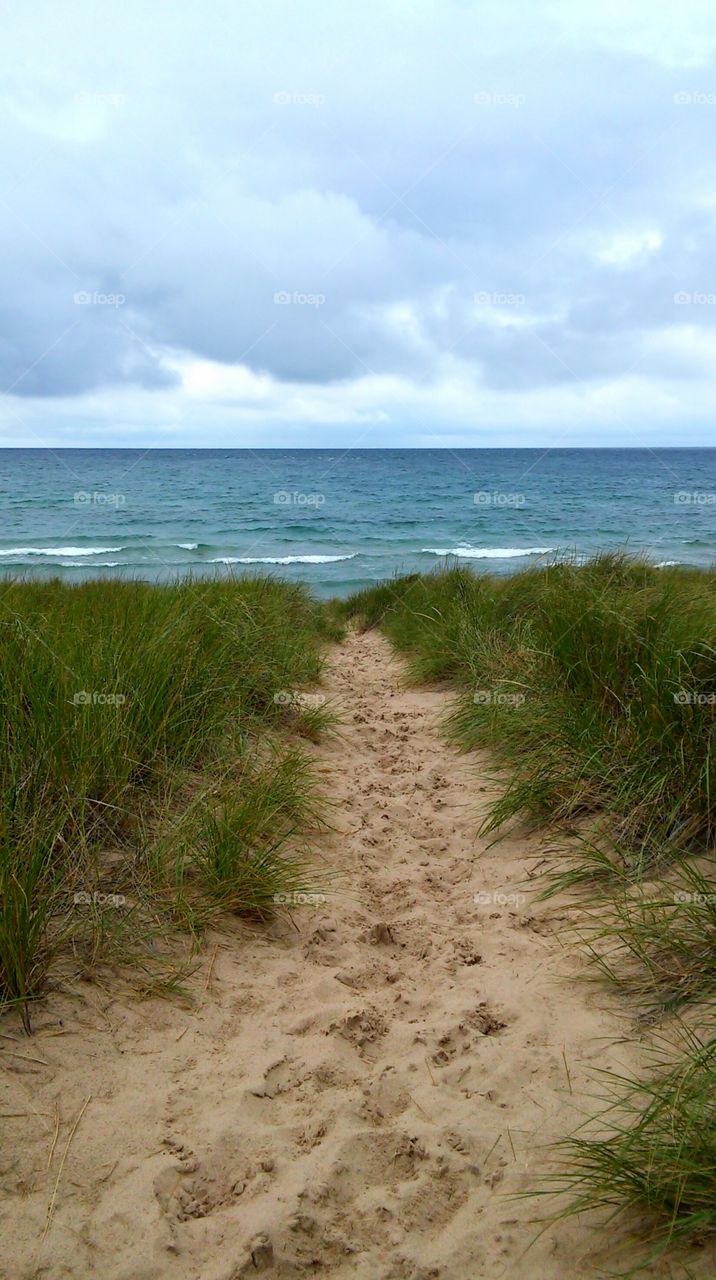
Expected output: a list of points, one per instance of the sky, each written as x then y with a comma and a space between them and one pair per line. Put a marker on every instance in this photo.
396, 223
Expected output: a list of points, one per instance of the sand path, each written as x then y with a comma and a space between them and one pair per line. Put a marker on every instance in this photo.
355, 1095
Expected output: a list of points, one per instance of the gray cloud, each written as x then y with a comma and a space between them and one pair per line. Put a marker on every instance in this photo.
323, 195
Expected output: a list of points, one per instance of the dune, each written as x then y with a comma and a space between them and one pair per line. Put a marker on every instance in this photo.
359, 1088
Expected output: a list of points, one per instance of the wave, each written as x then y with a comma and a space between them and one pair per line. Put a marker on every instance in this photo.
281, 559
666, 564
487, 553
187, 546
58, 551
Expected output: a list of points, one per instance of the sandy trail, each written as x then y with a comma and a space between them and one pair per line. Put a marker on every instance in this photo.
355, 1095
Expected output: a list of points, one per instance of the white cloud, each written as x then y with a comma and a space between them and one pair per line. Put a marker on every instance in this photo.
622, 249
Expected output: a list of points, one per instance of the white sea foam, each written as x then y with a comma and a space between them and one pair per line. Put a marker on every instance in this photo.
187, 546
58, 551
280, 559
487, 553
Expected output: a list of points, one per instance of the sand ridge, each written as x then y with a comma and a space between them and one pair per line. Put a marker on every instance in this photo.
360, 1090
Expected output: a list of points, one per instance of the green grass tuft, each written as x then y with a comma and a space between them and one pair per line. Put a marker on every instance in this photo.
112, 696
659, 1156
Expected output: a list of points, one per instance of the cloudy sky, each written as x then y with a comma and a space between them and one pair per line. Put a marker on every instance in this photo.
401, 222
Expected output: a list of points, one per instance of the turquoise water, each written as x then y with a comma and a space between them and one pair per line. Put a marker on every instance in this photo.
340, 520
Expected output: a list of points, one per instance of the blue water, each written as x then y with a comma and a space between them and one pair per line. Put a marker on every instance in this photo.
341, 520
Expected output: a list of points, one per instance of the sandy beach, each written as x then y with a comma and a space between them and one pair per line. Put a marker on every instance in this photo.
358, 1090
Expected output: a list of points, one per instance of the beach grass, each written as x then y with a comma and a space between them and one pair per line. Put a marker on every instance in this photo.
651, 1150
122, 701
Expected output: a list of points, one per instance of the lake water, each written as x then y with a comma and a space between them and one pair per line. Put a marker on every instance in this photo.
340, 520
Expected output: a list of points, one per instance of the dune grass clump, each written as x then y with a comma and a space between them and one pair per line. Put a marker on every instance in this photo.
111, 693
657, 940
234, 842
658, 1158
